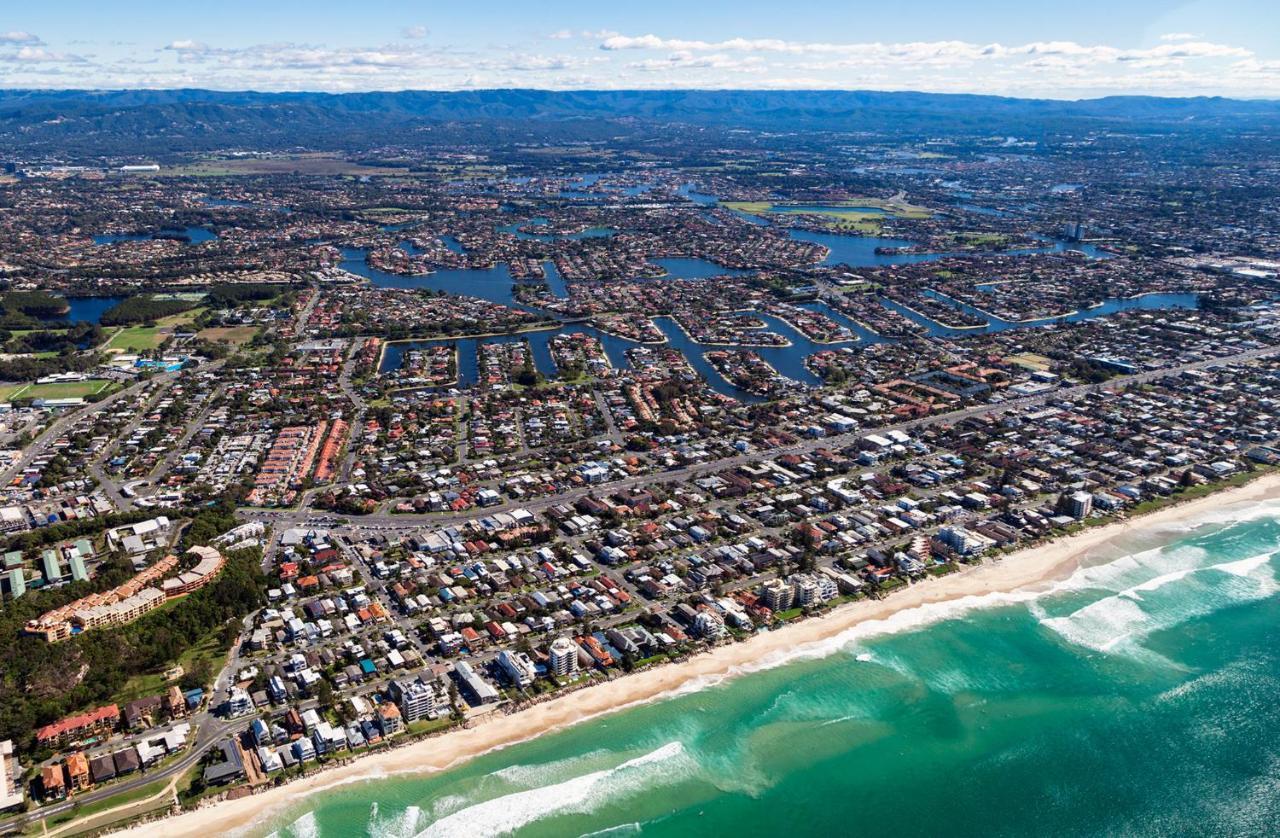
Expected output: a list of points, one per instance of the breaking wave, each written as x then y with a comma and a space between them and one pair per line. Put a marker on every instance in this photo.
577, 795
1121, 622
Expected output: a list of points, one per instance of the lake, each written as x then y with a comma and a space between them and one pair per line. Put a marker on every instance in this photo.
84, 309
197, 235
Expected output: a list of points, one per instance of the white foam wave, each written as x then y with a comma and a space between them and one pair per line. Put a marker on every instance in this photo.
1238, 675
1156, 583
577, 795
1120, 622
621, 829
1134, 567
447, 805
1244, 567
403, 825
905, 620
1235, 513
304, 827
537, 774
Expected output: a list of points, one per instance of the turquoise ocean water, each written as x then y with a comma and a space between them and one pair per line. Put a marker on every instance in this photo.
1139, 697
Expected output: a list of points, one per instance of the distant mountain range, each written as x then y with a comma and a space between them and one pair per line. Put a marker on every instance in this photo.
157, 122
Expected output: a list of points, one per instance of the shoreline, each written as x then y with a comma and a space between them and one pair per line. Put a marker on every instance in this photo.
1033, 569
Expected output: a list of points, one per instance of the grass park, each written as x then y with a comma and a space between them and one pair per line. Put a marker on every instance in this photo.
143, 338
858, 215
55, 390
304, 164
236, 335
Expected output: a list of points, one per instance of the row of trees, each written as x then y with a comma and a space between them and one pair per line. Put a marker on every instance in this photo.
144, 308
22, 308
70, 339
29, 368
232, 294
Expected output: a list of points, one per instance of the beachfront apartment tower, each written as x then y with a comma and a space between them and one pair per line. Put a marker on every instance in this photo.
518, 667
1079, 505
778, 595
416, 699
563, 656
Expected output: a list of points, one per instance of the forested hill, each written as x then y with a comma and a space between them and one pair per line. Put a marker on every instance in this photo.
150, 122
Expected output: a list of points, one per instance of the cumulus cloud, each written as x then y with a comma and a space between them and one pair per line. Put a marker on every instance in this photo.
691, 61
188, 46
924, 50
18, 37
1173, 64
40, 55
1179, 63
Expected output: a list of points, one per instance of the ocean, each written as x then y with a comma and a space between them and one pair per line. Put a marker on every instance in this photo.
1137, 697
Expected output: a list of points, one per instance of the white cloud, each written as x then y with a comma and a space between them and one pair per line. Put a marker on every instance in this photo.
18, 37
689, 61
925, 50
187, 45
1176, 64
1037, 66
414, 33
40, 55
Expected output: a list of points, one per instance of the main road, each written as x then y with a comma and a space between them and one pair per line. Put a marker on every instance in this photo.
300, 517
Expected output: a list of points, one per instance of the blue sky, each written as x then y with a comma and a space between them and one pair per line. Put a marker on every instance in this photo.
1063, 49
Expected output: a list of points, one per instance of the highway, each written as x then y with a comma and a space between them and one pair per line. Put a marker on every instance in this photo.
359, 407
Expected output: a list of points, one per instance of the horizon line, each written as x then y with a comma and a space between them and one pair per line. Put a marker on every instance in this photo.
643, 90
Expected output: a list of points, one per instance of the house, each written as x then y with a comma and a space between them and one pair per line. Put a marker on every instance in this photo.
239, 703
389, 720
142, 713
127, 761
303, 750
102, 768
52, 784
174, 703
228, 769
77, 766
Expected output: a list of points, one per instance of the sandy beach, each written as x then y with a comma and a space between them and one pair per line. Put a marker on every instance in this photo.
1029, 570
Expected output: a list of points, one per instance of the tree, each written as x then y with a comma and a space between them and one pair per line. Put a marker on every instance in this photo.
324, 693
